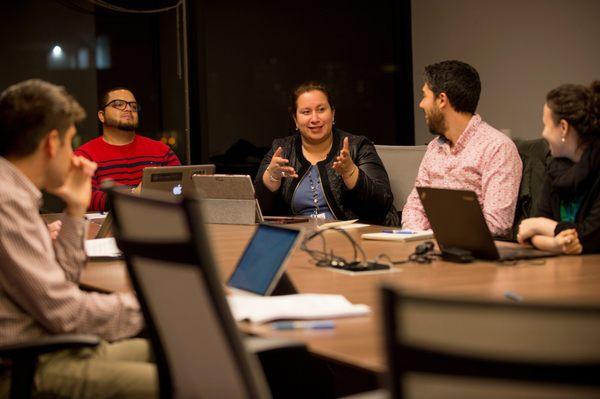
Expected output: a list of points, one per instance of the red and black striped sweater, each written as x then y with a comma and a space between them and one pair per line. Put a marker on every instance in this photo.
123, 163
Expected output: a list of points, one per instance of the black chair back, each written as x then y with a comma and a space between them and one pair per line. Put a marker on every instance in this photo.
198, 349
449, 347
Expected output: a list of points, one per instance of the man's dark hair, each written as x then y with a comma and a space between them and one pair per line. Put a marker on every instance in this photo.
459, 80
29, 110
580, 106
305, 88
104, 97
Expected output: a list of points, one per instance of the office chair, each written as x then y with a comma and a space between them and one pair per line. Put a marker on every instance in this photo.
402, 165
535, 155
23, 358
198, 349
443, 347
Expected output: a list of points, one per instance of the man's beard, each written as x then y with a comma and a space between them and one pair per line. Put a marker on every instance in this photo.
436, 122
128, 126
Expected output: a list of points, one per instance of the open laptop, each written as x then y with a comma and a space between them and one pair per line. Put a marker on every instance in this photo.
175, 180
458, 222
261, 269
231, 196
228, 199
105, 229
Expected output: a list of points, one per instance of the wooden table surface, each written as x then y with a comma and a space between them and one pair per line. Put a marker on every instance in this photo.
358, 341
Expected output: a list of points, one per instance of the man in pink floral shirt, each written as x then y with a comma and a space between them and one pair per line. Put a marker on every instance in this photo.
469, 154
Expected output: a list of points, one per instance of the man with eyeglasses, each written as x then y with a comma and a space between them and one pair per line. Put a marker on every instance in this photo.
121, 153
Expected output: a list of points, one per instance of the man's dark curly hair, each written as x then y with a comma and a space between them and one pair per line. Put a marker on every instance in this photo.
459, 80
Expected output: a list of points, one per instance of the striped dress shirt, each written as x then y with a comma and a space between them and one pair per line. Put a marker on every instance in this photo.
39, 292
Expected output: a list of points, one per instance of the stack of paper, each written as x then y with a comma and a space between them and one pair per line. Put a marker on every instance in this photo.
338, 224
398, 235
259, 309
95, 216
102, 248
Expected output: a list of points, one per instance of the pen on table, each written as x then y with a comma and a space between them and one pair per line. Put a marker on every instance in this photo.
399, 231
298, 325
513, 296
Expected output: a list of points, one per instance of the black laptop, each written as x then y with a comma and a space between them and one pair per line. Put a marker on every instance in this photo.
458, 222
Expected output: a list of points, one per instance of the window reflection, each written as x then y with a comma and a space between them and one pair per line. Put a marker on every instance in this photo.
102, 53
62, 56
83, 58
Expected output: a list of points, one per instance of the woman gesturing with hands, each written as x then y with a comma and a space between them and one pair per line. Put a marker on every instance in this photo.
321, 171
277, 170
345, 166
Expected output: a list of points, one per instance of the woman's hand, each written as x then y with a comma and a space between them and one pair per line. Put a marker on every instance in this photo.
345, 166
535, 226
277, 170
568, 242
526, 230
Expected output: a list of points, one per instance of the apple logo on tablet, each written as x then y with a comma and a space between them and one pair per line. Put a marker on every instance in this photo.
177, 190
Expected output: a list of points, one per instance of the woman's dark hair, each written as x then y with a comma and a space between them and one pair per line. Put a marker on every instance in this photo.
304, 88
579, 106
459, 80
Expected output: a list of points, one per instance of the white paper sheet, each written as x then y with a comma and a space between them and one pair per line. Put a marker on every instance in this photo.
102, 248
259, 309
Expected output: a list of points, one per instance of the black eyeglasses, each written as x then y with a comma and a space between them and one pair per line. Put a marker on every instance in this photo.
122, 105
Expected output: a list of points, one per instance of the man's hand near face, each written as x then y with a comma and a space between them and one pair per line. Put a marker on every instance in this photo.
54, 229
77, 189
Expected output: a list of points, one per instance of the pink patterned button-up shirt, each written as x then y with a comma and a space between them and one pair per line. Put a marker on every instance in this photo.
483, 160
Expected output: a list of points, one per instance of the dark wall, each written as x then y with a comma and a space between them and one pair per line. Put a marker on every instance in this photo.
245, 58
134, 63
251, 54
100, 50
29, 30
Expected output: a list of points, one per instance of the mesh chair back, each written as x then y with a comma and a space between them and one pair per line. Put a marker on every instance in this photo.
198, 349
402, 164
448, 347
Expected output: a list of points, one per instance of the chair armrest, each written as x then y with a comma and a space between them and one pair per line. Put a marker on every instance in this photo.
47, 344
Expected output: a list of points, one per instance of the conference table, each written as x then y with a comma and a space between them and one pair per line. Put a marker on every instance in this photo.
357, 342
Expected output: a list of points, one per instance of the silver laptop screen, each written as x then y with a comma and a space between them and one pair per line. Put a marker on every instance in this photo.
263, 258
